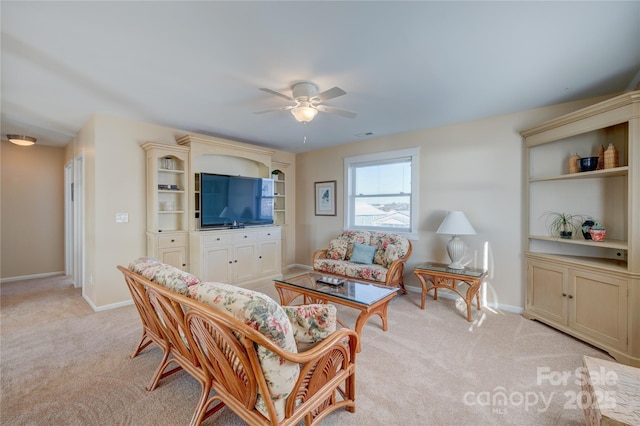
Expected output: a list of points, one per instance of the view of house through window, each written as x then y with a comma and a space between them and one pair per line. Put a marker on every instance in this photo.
381, 191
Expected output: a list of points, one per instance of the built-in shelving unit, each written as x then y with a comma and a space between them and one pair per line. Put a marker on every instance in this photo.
238, 256
279, 197
586, 288
167, 209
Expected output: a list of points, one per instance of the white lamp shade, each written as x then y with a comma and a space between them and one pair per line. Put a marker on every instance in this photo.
456, 223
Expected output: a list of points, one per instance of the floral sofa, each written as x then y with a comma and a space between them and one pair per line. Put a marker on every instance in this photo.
375, 257
268, 363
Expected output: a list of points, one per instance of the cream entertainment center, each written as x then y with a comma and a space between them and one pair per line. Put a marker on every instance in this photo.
586, 288
234, 251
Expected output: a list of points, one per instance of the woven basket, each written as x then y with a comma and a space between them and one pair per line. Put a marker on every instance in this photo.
573, 163
611, 157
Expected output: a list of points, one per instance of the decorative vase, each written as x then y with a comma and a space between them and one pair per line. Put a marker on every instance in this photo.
566, 234
586, 227
598, 234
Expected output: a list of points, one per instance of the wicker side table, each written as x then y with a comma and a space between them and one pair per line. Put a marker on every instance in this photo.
433, 276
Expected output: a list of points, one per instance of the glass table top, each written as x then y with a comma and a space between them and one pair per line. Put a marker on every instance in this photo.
442, 267
355, 291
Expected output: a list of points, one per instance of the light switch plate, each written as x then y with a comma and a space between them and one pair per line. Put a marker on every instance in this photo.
122, 217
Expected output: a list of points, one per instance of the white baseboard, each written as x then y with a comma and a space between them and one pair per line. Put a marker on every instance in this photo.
106, 307
301, 266
31, 277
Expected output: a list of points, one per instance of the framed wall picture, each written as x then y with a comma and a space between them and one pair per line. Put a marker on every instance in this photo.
325, 198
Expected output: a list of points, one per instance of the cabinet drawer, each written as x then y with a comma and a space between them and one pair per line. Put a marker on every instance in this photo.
172, 241
216, 239
270, 234
243, 237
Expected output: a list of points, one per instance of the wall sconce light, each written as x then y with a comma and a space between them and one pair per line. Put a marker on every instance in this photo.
21, 140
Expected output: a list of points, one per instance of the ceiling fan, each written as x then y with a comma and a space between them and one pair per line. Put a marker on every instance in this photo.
308, 102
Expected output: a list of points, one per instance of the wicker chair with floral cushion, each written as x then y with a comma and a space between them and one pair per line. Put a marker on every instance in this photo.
295, 383
168, 315
248, 346
376, 257
154, 328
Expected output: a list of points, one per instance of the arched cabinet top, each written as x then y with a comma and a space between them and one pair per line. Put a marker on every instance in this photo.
201, 146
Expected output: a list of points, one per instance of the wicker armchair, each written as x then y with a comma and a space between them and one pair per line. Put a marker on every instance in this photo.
228, 351
226, 356
163, 323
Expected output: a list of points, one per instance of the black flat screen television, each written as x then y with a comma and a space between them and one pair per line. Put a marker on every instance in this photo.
227, 201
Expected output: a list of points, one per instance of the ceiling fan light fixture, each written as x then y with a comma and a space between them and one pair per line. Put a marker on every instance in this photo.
304, 113
21, 140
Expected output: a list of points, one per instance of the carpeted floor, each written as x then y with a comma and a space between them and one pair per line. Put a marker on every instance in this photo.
63, 364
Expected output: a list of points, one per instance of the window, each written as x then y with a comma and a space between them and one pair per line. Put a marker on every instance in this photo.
381, 192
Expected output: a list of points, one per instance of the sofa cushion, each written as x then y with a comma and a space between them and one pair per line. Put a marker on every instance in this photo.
386, 255
167, 276
383, 239
262, 313
337, 249
363, 253
345, 268
337, 267
362, 237
367, 272
311, 323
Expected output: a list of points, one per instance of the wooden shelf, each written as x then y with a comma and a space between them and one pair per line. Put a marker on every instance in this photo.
613, 244
618, 171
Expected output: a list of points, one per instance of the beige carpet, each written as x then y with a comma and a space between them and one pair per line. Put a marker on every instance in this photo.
63, 364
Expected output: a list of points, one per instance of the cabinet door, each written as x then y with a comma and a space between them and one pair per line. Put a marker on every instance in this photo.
547, 291
217, 264
269, 258
245, 261
598, 307
175, 256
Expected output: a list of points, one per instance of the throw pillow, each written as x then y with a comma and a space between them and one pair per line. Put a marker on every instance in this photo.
363, 254
391, 252
337, 249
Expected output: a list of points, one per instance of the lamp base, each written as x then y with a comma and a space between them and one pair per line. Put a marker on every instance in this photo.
455, 265
455, 250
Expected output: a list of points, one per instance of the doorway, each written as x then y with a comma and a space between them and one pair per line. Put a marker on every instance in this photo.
74, 220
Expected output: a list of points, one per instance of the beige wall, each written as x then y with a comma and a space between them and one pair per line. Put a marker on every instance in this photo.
115, 182
475, 167
32, 213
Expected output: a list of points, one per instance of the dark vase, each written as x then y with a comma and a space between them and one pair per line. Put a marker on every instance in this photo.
586, 226
566, 234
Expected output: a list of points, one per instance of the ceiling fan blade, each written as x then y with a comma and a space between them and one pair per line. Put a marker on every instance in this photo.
285, 108
273, 92
329, 94
337, 111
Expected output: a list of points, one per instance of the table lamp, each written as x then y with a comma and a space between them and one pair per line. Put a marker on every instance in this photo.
455, 224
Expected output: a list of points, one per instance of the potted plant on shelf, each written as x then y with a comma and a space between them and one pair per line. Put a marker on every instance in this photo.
562, 225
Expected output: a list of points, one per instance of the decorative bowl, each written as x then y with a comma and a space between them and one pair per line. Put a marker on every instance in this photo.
597, 234
588, 164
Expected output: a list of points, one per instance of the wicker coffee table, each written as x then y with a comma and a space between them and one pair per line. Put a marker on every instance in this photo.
368, 298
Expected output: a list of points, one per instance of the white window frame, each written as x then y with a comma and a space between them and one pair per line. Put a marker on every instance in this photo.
381, 157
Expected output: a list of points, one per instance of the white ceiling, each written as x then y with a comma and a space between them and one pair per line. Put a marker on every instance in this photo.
197, 66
